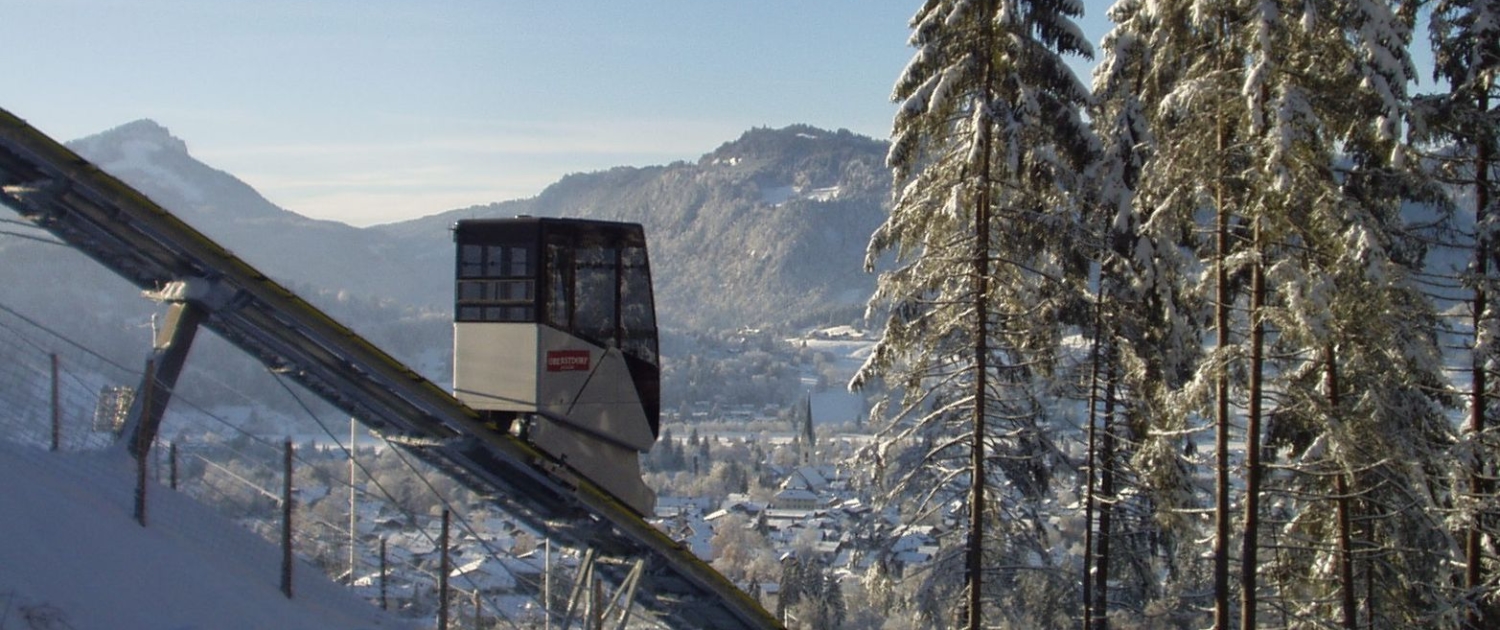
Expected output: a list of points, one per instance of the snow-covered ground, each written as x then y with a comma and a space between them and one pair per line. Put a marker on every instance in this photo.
778, 195
72, 556
847, 348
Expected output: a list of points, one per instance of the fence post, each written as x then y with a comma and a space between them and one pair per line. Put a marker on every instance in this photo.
172, 464
547, 583
384, 604
56, 407
286, 520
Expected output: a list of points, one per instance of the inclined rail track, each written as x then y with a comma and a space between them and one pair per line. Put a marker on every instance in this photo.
119, 227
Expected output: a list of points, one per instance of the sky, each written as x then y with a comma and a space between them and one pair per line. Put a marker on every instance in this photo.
373, 111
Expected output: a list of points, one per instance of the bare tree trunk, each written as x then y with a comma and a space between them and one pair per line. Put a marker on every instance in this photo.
1221, 389
1369, 543
1106, 496
1250, 544
974, 553
1349, 606
1473, 542
1093, 459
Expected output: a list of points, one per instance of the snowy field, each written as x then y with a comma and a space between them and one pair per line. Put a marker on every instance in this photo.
72, 556
848, 348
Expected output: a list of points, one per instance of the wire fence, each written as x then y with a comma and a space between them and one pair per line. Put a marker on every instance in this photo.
364, 512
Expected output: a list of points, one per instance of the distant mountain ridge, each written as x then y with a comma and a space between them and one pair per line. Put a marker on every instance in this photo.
287, 246
766, 231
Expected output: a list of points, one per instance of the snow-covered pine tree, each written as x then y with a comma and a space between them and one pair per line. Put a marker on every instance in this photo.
1465, 37
1283, 120
1356, 371
1183, 64
1149, 329
986, 149
791, 585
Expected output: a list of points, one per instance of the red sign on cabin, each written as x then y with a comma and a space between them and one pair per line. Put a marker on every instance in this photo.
567, 360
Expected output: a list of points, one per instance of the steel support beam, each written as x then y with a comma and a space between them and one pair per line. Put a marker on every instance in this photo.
168, 355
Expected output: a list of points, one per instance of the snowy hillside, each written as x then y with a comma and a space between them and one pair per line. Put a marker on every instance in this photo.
842, 350
72, 556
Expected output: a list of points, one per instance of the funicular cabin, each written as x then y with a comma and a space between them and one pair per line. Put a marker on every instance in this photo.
555, 339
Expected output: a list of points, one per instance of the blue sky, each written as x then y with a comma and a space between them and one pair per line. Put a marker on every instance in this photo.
370, 111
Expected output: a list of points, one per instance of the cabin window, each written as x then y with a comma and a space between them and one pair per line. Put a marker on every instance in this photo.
495, 284
594, 292
637, 319
560, 285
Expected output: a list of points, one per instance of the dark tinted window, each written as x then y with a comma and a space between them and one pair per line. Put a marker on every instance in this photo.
495, 283
595, 289
637, 319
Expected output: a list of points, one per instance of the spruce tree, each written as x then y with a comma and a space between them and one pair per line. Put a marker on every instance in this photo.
1465, 35
1274, 129
1342, 309
1146, 339
986, 148
1178, 65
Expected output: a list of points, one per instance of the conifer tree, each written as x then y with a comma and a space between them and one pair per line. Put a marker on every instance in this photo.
1465, 35
1342, 309
1179, 65
1303, 173
792, 585
1359, 433
836, 612
985, 151
1148, 331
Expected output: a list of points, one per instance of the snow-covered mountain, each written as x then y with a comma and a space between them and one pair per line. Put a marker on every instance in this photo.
767, 231
290, 247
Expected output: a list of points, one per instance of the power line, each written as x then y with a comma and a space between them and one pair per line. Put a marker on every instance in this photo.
463, 522
33, 238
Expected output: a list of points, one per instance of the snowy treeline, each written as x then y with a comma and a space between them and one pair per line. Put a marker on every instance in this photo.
1191, 348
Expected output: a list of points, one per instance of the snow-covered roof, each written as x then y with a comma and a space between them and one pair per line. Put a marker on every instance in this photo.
745, 506
913, 557
485, 573
796, 494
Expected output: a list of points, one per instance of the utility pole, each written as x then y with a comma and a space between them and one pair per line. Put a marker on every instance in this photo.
353, 505
286, 520
56, 407
443, 569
